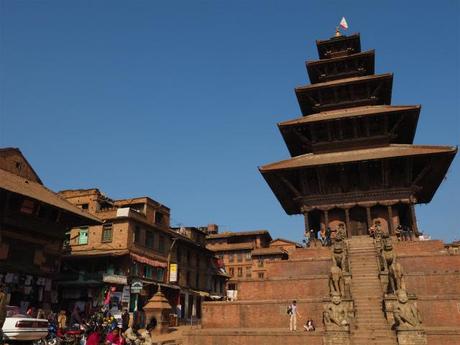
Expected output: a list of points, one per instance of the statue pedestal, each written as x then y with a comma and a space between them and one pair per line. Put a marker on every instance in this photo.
336, 338
411, 337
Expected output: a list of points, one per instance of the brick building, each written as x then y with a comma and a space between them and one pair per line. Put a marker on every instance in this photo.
33, 224
246, 254
134, 245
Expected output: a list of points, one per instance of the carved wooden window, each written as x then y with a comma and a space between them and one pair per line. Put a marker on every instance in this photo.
107, 232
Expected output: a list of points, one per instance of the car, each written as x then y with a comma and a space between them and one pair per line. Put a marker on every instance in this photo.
20, 327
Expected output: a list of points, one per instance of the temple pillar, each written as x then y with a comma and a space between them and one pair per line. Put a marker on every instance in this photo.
326, 219
390, 220
347, 222
306, 221
369, 218
413, 219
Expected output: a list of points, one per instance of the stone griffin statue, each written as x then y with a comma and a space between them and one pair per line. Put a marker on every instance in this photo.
387, 255
335, 315
389, 264
336, 281
405, 312
339, 255
396, 277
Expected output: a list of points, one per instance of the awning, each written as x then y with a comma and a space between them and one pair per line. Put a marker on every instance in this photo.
151, 262
201, 293
148, 282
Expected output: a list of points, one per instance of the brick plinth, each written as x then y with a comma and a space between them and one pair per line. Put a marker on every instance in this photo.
443, 335
252, 336
411, 337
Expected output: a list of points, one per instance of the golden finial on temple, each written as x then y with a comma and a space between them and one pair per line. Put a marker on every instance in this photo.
337, 32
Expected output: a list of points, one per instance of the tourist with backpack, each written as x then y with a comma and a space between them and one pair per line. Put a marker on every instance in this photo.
293, 313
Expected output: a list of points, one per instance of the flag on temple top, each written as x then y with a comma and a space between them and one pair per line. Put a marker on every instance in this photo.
343, 23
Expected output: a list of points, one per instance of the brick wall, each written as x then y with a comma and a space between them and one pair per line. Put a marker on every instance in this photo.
430, 263
257, 314
437, 311
418, 247
298, 268
425, 284
296, 288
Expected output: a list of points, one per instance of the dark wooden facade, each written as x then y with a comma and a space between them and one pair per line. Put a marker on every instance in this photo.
353, 162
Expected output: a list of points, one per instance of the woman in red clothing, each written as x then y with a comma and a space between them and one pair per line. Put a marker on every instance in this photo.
95, 337
114, 338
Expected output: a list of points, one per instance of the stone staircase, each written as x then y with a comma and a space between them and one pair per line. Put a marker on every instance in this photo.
370, 326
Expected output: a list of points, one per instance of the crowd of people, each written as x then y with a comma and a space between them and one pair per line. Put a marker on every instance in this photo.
100, 327
402, 232
324, 237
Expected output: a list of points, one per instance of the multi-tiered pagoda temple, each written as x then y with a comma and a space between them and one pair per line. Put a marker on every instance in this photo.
353, 159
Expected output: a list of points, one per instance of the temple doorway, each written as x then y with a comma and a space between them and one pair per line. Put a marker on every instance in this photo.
358, 221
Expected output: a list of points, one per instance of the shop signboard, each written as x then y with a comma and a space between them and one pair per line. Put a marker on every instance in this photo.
173, 272
114, 279
136, 286
125, 295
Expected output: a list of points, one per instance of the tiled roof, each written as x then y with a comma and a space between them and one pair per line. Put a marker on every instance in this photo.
344, 81
393, 150
19, 185
287, 241
269, 251
239, 234
228, 247
349, 112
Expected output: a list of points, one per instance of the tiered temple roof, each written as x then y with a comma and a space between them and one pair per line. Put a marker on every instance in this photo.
351, 146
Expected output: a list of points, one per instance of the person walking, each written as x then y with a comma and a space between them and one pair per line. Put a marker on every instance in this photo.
328, 236
313, 236
125, 320
322, 235
293, 314
307, 238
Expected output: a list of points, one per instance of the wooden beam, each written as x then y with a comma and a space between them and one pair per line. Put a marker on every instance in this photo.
290, 186
367, 127
355, 128
302, 138
421, 174
329, 134
340, 123
408, 171
320, 181
396, 125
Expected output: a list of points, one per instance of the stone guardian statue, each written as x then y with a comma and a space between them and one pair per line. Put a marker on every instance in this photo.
405, 312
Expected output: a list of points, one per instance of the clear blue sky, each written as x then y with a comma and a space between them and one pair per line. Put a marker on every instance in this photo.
179, 100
